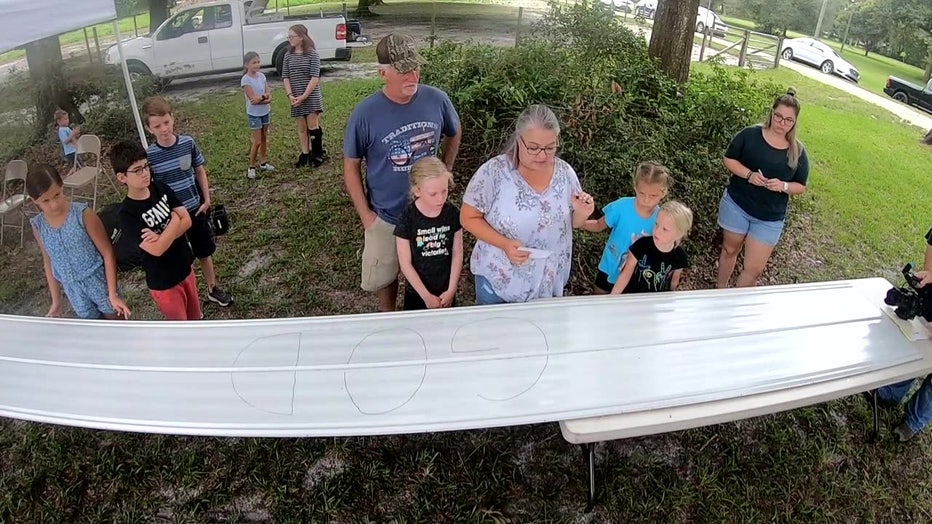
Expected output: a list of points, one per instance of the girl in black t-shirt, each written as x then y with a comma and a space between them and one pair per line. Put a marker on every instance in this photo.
429, 239
656, 262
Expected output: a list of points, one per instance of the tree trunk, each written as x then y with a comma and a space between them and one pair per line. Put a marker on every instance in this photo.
671, 38
158, 13
928, 73
45, 68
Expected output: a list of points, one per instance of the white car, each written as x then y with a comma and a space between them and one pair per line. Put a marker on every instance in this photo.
706, 21
620, 5
646, 8
211, 37
816, 53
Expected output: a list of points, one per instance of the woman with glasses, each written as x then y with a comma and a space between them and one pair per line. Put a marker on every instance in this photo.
522, 207
767, 165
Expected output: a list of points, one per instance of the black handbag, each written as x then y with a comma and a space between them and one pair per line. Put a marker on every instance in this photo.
219, 220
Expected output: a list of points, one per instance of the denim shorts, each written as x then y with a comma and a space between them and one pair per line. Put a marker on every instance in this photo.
258, 122
485, 295
734, 219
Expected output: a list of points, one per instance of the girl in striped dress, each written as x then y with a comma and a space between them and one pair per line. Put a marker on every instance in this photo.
301, 75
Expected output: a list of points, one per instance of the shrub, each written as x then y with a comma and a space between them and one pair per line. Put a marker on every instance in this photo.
108, 113
570, 64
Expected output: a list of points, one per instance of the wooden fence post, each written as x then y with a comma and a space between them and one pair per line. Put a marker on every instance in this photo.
743, 56
518, 28
433, 24
97, 44
776, 53
87, 44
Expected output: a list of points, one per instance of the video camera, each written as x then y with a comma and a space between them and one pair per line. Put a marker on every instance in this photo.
911, 300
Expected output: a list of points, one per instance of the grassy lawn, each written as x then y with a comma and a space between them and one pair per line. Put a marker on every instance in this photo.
293, 251
866, 184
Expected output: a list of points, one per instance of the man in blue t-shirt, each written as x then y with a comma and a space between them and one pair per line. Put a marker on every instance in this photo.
392, 129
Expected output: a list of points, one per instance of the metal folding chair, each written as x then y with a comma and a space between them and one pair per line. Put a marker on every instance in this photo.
86, 174
12, 201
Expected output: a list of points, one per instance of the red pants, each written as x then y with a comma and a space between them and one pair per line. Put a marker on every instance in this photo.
180, 302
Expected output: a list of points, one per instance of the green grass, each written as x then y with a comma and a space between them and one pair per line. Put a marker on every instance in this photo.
293, 251
866, 185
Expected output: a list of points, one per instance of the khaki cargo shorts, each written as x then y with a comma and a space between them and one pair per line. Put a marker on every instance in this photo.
379, 256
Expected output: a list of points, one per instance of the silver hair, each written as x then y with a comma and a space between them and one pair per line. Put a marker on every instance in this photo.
536, 116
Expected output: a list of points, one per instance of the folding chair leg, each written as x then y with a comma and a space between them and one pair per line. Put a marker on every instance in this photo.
875, 435
590, 495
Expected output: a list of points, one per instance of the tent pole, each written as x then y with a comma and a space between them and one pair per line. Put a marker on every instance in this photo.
129, 86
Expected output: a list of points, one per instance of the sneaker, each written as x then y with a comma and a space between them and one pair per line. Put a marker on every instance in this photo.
219, 297
903, 433
265, 166
251, 174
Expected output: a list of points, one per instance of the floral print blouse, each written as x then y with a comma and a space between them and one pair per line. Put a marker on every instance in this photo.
538, 220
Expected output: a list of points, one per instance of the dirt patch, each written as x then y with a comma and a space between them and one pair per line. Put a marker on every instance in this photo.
328, 466
257, 261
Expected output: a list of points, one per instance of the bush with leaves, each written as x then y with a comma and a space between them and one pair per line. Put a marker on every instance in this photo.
108, 113
572, 62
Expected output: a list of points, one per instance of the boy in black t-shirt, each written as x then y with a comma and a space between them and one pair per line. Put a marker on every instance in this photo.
430, 239
154, 218
655, 263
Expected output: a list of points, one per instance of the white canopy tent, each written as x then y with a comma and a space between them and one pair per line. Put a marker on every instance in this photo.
25, 21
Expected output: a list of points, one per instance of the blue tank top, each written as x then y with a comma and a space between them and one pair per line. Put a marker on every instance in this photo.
71, 250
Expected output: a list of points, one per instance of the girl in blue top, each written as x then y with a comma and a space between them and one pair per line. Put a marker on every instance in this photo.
258, 111
76, 251
629, 218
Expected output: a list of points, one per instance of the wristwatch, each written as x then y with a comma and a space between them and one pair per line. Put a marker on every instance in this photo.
786, 187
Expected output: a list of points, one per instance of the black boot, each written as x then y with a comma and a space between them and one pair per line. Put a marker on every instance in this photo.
318, 155
302, 160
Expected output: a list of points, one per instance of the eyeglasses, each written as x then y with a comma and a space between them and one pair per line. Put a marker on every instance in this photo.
783, 119
292, 36
139, 170
534, 151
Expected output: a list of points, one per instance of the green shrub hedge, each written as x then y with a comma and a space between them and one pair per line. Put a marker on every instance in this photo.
569, 64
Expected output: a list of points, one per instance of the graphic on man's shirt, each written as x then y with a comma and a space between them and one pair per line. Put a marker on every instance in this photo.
158, 217
432, 241
410, 143
654, 280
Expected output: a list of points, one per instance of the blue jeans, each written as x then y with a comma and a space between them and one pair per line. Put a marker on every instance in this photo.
919, 408
485, 295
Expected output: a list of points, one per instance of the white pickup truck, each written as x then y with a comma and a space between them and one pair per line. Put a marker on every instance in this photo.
212, 37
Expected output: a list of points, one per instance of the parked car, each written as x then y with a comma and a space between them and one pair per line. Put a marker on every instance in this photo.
910, 93
625, 6
816, 53
646, 9
706, 21
212, 37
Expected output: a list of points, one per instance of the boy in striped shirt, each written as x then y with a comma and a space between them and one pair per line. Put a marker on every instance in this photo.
176, 161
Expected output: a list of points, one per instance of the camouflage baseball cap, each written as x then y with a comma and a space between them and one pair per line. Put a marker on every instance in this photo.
400, 51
